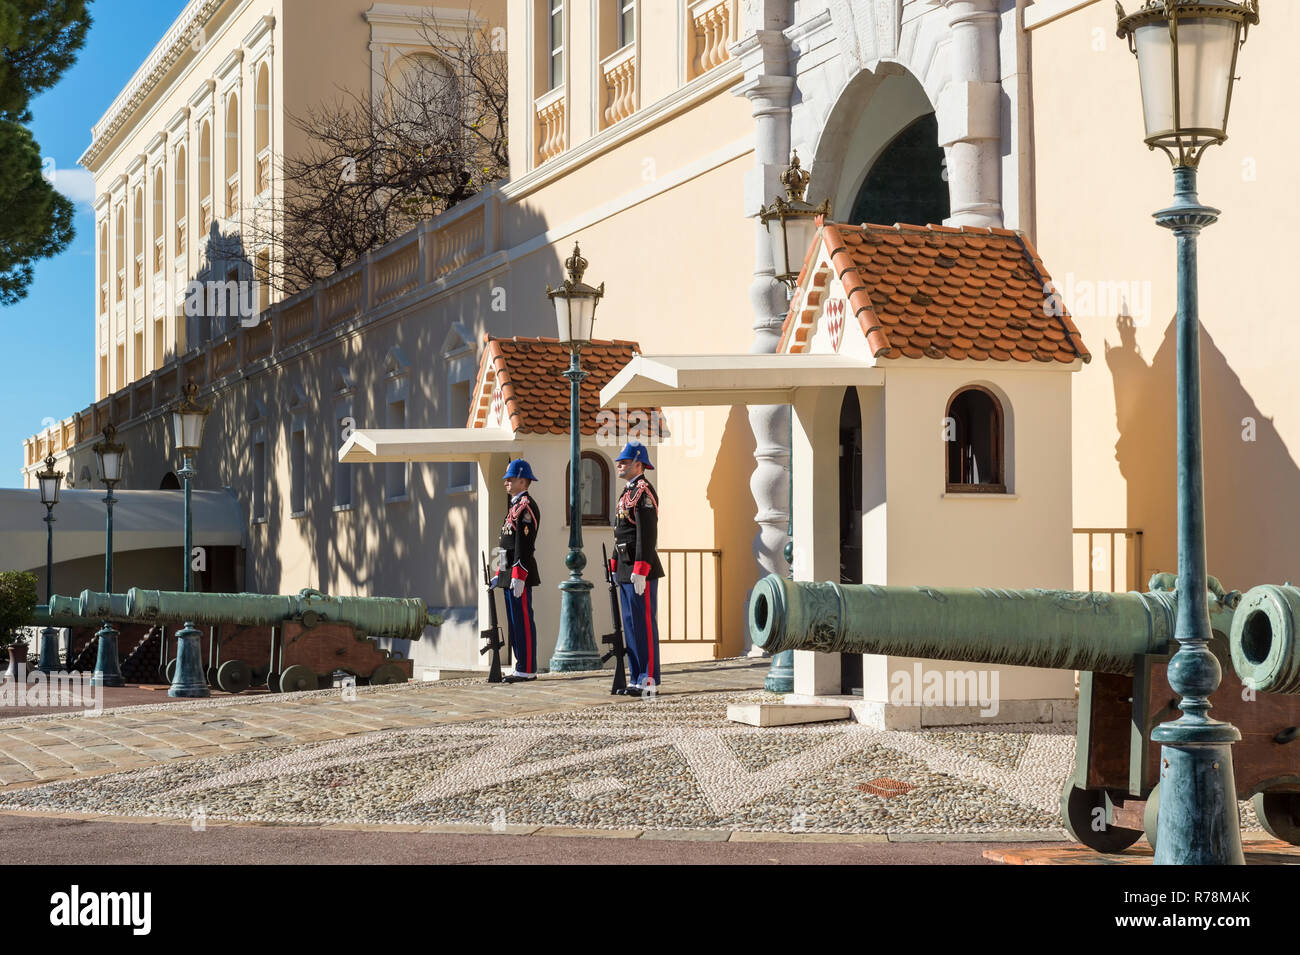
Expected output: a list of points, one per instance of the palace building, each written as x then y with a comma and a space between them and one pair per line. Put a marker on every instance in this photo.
970, 383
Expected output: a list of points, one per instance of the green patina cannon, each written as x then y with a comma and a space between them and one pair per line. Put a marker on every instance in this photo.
1122, 643
306, 636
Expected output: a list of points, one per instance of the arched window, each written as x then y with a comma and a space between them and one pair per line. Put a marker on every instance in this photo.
232, 156
119, 250
908, 181
137, 241
180, 206
975, 433
103, 267
262, 128
205, 178
158, 213
595, 489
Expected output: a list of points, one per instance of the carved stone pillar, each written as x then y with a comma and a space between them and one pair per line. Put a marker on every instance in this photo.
970, 115
765, 53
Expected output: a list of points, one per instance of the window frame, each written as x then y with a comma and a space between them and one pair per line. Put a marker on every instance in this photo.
592, 518
555, 53
625, 10
997, 451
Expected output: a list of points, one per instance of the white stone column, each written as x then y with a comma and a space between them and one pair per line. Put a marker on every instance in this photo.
765, 53
970, 115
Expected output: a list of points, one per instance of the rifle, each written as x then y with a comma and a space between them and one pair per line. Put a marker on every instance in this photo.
493, 632
618, 648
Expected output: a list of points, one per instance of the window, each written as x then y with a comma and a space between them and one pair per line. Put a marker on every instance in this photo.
205, 179
158, 213
181, 204
232, 157
298, 469
137, 243
138, 370
103, 267
555, 71
395, 472
461, 473
973, 429
595, 489
259, 477
345, 425
626, 12
262, 128
159, 344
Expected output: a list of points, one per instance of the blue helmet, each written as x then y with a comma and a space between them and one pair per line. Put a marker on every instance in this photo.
519, 468
636, 451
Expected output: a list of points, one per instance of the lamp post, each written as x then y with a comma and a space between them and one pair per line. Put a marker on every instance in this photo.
791, 223
49, 481
575, 313
1187, 58
109, 454
188, 418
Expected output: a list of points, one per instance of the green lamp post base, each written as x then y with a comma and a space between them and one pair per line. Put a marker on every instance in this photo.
576, 647
188, 680
49, 650
107, 672
780, 675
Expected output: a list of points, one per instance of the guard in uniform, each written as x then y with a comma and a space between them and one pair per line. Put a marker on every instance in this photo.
515, 552
637, 568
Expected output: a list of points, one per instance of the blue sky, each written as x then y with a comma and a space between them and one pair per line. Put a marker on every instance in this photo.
47, 340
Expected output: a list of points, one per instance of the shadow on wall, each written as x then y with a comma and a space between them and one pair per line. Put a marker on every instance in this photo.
1250, 475
424, 545
729, 481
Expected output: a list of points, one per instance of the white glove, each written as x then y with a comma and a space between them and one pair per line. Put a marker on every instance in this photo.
517, 586
499, 558
638, 584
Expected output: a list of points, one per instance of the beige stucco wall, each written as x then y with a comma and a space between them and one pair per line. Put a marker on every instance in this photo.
1097, 185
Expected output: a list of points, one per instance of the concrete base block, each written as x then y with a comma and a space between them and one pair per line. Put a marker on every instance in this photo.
785, 714
890, 716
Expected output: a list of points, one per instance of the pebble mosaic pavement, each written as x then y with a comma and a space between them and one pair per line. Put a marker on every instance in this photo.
671, 763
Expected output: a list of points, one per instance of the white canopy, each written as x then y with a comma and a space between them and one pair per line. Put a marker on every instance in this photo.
682, 380
142, 520
426, 444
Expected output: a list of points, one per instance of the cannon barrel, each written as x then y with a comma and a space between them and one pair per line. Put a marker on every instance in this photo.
1265, 639
400, 617
1057, 629
41, 617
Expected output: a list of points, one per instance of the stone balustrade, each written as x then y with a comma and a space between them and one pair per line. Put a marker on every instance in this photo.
620, 99
711, 24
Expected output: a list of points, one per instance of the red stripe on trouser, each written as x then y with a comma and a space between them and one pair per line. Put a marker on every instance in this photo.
649, 635
528, 633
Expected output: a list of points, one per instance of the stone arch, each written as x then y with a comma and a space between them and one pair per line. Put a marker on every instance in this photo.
871, 111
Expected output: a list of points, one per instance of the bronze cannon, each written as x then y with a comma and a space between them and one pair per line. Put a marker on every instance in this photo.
306, 636
1121, 643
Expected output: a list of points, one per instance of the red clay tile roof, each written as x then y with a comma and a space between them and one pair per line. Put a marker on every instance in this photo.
534, 391
938, 292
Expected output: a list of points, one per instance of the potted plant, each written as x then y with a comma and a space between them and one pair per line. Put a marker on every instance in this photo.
17, 604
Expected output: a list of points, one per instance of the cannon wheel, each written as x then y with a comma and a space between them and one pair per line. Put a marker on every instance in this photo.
234, 676
1279, 813
1151, 815
297, 678
387, 673
1077, 812
171, 671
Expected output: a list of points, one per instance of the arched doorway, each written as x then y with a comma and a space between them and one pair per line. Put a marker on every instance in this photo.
878, 157
850, 473
169, 482
906, 183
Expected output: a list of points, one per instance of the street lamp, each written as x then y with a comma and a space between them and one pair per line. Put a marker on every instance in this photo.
1187, 57
791, 223
49, 481
575, 314
188, 418
109, 454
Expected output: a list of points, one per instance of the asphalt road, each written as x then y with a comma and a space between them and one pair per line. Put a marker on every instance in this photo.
39, 841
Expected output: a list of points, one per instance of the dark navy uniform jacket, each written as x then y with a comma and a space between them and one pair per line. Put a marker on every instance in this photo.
519, 538
636, 531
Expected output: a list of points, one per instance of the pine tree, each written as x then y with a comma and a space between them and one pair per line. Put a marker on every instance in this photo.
39, 40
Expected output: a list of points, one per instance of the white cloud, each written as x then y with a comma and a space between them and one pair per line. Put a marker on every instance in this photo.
77, 184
